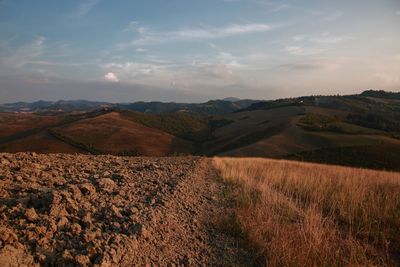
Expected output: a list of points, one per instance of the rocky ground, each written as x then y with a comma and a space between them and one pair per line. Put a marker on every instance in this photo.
69, 210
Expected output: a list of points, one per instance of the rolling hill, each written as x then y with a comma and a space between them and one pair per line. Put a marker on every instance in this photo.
356, 130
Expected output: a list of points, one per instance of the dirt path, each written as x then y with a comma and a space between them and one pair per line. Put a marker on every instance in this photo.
112, 211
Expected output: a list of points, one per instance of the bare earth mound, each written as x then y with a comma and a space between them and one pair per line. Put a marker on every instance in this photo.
111, 211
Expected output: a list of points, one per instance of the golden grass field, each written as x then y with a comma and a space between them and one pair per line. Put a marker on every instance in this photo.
304, 214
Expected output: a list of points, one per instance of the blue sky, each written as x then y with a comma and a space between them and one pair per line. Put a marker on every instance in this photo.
195, 50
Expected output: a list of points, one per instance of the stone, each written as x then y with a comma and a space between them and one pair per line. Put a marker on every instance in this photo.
106, 184
76, 229
87, 189
31, 215
116, 212
82, 260
62, 222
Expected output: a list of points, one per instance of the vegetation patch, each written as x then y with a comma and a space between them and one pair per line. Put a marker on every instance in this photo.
190, 127
86, 147
251, 138
381, 156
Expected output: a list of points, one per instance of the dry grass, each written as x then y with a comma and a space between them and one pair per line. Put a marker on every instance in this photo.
303, 214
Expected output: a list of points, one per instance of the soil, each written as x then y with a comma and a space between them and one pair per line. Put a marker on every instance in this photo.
82, 210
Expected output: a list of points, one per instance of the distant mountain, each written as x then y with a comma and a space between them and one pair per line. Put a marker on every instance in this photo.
212, 107
231, 99
53, 106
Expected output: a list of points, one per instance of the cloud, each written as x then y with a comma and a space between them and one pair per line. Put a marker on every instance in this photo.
312, 65
133, 69
302, 51
22, 55
398, 13
56, 63
140, 50
131, 26
223, 66
274, 6
304, 45
148, 37
111, 77
387, 78
85, 7
327, 38
298, 38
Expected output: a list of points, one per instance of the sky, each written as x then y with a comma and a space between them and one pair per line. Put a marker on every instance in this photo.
196, 50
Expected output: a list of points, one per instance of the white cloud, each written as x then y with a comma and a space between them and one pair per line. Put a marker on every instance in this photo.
298, 38
140, 50
133, 69
304, 45
224, 66
302, 51
85, 7
387, 78
111, 77
148, 37
398, 13
329, 39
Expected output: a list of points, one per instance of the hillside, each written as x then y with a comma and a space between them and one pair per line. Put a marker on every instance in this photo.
303, 214
354, 130
112, 133
349, 130
85, 210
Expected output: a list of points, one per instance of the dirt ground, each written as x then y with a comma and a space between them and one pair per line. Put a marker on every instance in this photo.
80, 210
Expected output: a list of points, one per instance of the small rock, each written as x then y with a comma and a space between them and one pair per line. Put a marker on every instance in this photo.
76, 193
7, 236
106, 184
116, 211
5, 162
40, 230
82, 260
87, 189
76, 229
31, 215
62, 222
187, 261
67, 256
134, 210
41, 257
140, 230
87, 219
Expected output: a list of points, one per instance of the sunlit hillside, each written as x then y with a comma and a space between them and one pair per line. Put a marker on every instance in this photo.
304, 214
